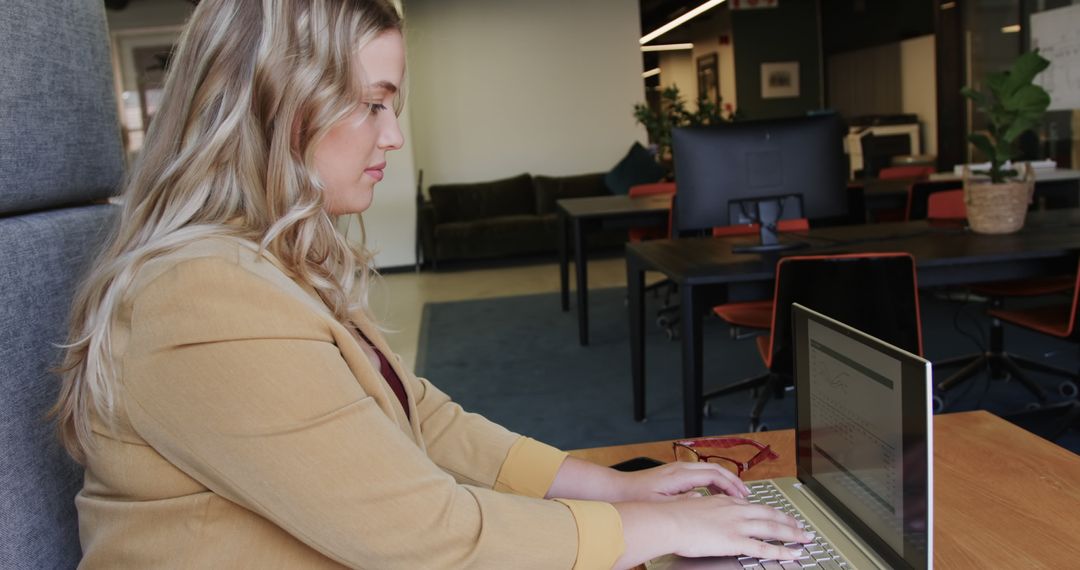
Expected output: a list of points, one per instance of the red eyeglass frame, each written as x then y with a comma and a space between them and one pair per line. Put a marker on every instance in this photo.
765, 452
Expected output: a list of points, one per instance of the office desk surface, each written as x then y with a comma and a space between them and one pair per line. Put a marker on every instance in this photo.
603, 206
708, 273
577, 217
1048, 234
1041, 175
1003, 497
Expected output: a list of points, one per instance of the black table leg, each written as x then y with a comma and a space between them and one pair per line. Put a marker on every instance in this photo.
691, 361
564, 270
580, 267
635, 297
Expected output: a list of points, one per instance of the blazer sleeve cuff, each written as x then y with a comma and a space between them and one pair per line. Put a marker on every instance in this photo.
529, 468
600, 534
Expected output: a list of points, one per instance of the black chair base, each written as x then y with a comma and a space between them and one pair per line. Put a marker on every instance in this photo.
1003, 365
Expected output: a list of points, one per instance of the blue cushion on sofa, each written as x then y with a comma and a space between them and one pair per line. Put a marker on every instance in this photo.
637, 167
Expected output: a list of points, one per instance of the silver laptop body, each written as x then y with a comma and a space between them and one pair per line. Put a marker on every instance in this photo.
864, 450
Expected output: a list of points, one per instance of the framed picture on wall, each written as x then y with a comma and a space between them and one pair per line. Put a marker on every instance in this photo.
779, 80
708, 78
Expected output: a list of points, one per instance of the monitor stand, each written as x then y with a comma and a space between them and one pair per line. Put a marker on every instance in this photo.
769, 212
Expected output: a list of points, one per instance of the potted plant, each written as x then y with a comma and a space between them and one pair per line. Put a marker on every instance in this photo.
997, 200
672, 113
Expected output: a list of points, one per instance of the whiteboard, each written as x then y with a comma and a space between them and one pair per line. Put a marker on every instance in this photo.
1057, 35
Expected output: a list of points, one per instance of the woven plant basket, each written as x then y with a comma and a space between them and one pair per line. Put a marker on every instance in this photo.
997, 208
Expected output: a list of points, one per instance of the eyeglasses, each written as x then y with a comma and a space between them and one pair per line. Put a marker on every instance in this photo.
687, 450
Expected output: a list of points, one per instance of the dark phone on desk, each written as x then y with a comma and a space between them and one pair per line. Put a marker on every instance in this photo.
637, 464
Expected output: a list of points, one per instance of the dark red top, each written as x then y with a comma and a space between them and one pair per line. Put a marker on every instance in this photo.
389, 375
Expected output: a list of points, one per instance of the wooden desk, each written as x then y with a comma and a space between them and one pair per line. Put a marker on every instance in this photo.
1003, 497
708, 273
581, 215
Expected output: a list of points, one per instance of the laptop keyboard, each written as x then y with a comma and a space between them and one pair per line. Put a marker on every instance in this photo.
817, 554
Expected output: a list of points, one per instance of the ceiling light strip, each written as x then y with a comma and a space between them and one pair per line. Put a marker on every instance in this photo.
667, 47
679, 21
1011, 29
650, 73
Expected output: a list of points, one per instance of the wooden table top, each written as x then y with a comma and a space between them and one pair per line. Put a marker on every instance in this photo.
1003, 498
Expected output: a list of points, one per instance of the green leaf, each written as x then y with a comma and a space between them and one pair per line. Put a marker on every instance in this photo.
980, 99
996, 82
1024, 70
1028, 99
982, 142
1017, 128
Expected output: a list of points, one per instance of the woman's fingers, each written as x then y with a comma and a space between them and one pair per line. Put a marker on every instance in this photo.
766, 551
719, 477
774, 530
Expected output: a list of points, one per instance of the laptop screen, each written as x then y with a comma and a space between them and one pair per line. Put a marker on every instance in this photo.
863, 436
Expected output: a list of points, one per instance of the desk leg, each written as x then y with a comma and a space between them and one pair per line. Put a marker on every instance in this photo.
691, 361
635, 297
581, 263
564, 270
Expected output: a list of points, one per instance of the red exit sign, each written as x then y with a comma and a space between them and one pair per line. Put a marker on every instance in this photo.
753, 4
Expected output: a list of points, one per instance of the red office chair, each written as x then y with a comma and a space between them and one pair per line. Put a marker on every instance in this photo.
642, 234
875, 292
912, 173
901, 172
948, 204
1056, 320
752, 314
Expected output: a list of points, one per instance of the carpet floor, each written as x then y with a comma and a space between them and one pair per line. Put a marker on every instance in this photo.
516, 360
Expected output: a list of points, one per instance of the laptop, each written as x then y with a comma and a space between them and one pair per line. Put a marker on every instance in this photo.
864, 451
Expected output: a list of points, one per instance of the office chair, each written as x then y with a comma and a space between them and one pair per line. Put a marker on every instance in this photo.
942, 203
60, 158
751, 316
876, 293
913, 171
640, 190
1056, 320
909, 175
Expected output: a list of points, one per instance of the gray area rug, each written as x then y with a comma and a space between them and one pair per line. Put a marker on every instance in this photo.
516, 360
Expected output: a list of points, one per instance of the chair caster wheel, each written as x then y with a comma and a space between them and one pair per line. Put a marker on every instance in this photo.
1032, 406
706, 410
670, 334
938, 404
761, 428
1068, 389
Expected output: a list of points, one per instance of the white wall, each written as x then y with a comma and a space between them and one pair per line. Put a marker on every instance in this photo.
501, 87
918, 87
677, 68
680, 67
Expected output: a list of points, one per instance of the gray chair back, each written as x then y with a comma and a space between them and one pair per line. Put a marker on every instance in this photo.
60, 157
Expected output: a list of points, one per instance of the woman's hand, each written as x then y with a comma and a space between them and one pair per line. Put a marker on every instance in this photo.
725, 526
668, 482
696, 526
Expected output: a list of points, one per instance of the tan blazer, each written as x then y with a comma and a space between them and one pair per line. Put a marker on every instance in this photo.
252, 431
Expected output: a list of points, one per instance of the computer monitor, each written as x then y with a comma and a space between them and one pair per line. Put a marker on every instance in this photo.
760, 172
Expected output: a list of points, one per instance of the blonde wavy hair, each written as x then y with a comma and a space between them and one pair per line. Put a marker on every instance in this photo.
252, 88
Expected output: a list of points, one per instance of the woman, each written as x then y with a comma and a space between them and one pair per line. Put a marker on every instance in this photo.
232, 400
